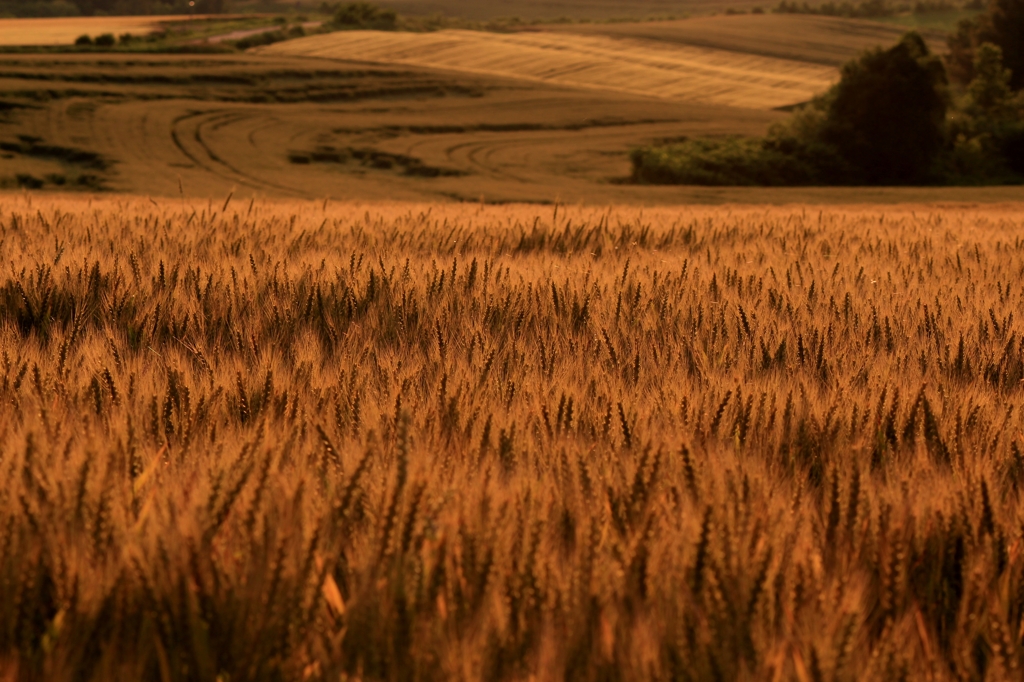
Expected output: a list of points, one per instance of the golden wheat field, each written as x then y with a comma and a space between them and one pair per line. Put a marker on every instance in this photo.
622, 64
246, 440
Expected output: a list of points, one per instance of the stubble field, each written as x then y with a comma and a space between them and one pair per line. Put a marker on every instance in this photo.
249, 440
679, 73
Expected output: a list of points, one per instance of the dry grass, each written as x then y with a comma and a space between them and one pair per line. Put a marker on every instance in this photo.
631, 65
302, 441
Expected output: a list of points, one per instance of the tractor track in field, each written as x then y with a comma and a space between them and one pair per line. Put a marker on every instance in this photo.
217, 120
175, 126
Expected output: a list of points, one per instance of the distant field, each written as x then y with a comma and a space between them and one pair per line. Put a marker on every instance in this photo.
64, 30
573, 9
634, 66
802, 37
294, 127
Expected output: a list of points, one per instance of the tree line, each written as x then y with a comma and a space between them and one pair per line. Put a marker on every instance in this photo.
897, 116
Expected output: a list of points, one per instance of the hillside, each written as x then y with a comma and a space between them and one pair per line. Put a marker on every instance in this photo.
630, 65
803, 37
542, 116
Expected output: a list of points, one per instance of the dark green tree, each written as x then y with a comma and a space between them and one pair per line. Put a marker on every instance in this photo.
990, 89
1003, 26
1007, 29
886, 116
365, 15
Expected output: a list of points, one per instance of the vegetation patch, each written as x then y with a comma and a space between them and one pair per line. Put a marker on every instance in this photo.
372, 158
83, 169
34, 146
891, 120
362, 16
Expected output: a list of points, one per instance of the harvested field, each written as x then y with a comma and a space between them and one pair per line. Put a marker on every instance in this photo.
629, 65
321, 441
801, 37
247, 121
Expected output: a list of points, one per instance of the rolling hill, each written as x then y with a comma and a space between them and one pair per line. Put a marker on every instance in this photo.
572, 9
802, 37
629, 65
541, 116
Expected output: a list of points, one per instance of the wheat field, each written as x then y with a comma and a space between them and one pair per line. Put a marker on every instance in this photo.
246, 440
622, 64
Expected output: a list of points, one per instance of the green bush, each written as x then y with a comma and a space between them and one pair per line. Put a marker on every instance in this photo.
105, 40
83, 40
267, 38
987, 128
1002, 25
724, 161
363, 15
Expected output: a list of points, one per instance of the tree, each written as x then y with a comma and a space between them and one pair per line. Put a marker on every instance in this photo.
993, 113
1003, 26
1007, 31
990, 88
886, 116
365, 15
962, 43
